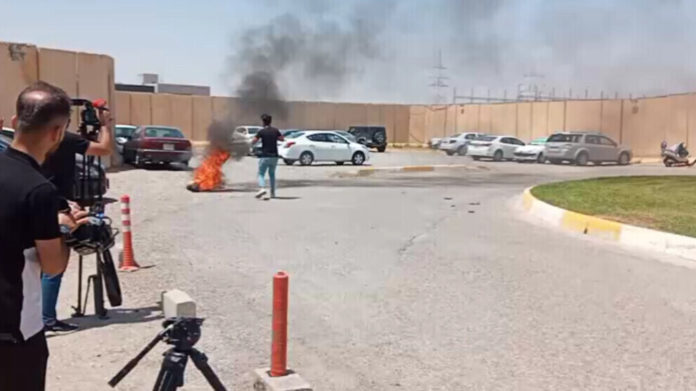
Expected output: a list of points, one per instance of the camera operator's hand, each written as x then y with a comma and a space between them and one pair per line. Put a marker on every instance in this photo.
105, 118
74, 219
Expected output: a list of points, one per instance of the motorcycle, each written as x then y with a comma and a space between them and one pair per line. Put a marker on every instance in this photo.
676, 156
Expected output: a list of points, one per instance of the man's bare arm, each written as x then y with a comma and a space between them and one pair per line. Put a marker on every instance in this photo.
53, 255
105, 145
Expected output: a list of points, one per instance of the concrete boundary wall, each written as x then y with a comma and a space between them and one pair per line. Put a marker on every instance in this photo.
639, 123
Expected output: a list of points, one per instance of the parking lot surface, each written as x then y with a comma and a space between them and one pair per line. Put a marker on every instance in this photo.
421, 281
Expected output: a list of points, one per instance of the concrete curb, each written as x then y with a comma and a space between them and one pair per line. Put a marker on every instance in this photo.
427, 168
637, 237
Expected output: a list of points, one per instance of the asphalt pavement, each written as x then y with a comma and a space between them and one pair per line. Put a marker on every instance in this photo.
418, 281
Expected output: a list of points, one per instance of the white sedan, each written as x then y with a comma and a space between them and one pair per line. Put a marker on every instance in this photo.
458, 143
322, 146
532, 152
494, 147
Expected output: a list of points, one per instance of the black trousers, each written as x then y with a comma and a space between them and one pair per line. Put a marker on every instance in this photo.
23, 365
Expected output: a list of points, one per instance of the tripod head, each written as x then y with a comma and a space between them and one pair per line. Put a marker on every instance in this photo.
182, 333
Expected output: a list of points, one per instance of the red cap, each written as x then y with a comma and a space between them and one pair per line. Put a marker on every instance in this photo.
99, 103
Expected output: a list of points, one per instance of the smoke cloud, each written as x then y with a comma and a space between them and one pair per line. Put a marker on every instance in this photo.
360, 50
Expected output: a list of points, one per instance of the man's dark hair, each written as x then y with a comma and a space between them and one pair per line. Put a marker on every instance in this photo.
39, 104
267, 119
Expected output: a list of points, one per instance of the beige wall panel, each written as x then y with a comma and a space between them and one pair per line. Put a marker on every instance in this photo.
202, 117
18, 68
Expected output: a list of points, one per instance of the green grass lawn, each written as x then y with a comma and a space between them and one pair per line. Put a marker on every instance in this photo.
666, 203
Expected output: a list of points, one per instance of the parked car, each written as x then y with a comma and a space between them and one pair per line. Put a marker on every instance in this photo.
249, 131
583, 147
532, 152
458, 143
122, 134
322, 146
6, 136
494, 147
157, 144
371, 136
96, 181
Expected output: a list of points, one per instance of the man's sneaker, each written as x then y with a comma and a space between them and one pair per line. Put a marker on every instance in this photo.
261, 193
61, 327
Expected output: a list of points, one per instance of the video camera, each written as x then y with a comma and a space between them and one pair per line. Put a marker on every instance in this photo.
89, 118
96, 235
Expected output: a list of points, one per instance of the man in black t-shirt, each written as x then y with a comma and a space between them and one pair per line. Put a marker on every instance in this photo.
30, 234
59, 168
268, 160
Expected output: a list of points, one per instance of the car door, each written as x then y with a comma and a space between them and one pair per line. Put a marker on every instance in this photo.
320, 146
508, 146
340, 149
131, 145
594, 149
610, 151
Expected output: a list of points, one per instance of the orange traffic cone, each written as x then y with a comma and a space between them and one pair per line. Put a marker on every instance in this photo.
128, 263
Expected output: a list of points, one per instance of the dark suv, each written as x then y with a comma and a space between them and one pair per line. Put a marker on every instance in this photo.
370, 136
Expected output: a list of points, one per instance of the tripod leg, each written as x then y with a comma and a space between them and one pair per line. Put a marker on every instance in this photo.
79, 309
171, 375
99, 291
201, 362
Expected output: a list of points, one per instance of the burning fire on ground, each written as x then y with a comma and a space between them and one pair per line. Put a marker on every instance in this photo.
224, 144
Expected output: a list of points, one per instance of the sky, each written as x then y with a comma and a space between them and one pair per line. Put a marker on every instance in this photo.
384, 50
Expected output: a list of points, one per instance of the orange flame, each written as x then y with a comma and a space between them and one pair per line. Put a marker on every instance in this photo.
208, 175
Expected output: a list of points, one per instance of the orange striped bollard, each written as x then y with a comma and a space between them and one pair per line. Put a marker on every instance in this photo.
279, 344
128, 264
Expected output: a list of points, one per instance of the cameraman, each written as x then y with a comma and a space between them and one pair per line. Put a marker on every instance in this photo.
30, 234
59, 168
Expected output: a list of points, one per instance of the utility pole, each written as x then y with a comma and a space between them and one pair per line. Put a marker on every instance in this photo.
439, 79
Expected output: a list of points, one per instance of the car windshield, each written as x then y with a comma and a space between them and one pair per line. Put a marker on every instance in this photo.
163, 132
486, 138
124, 131
347, 135
564, 138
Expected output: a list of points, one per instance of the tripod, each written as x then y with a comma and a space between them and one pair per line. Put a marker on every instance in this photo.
183, 333
97, 280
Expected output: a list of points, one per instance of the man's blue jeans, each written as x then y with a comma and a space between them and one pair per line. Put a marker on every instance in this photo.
50, 286
268, 164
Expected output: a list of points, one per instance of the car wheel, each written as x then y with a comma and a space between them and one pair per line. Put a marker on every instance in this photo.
379, 138
358, 159
381, 149
339, 163
462, 150
668, 162
541, 159
498, 155
582, 159
624, 159
306, 158
289, 162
